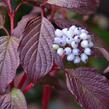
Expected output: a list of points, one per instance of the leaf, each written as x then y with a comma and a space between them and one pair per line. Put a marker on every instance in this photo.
18, 99
18, 31
13, 100
35, 48
9, 60
5, 101
90, 88
2, 4
80, 6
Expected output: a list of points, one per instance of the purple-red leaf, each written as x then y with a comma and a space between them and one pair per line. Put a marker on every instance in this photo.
2, 4
80, 6
9, 60
90, 88
18, 31
13, 100
35, 49
5, 101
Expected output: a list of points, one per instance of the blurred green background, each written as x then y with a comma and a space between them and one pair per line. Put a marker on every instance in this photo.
62, 99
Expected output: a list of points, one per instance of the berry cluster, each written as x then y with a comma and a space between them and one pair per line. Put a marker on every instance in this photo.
75, 43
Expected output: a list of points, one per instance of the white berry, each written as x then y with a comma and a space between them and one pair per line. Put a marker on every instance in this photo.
62, 42
77, 60
55, 46
70, 57
84, 44
87, 51
56, 40
65, 30
84, 31
58, 33
70, 33
69, 40
76, 31
84, 36
77, 39
67, 50
84, 57
91, 44
72, 28
76, 51
74, 44
60, 51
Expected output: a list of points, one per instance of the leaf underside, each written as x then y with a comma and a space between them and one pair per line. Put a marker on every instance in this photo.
90, 88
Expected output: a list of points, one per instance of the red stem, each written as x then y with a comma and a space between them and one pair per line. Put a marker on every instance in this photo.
22, 81
27, 89
47, 91
11, 16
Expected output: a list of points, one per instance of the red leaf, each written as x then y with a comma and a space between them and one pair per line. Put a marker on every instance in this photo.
9, 60
90, 88
80, 6
13, 100
36, 48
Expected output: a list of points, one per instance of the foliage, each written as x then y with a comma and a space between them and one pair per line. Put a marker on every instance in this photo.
28, 46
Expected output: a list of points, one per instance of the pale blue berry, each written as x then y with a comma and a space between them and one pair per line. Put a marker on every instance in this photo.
69, 40
85, 44
76, 51
84, 57
84, 31
58, 33
62, 42
65, 30
74, 44
55, 46
77, 39
60, 51
91, 44
76, 31
57, 40
77, 60
72, 28
84, 36
67, 50
70, 57
70, 33
87, 51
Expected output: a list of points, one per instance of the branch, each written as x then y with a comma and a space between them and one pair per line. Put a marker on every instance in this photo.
47, 91
5, 30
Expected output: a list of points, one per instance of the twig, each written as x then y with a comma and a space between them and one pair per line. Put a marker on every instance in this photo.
5, 30
47, 91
